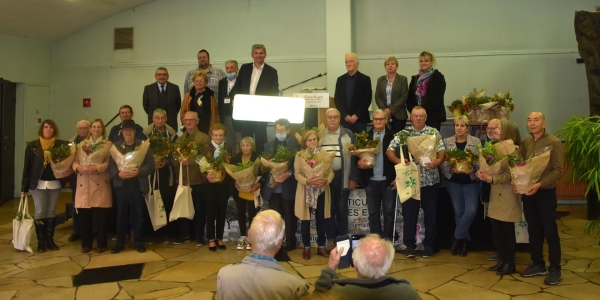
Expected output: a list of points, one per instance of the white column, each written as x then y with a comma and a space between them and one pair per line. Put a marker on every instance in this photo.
338, 38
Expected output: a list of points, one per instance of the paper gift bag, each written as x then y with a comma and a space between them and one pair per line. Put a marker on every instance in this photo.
155, 205
183, 206
22, 227
408, 179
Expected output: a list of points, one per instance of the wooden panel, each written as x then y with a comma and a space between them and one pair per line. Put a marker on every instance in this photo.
568, 190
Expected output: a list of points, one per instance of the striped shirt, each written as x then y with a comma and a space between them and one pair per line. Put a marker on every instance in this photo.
331, 143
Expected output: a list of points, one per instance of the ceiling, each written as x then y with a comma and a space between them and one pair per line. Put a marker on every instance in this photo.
53, 20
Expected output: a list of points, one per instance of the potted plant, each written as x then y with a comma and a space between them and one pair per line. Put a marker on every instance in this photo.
582, 151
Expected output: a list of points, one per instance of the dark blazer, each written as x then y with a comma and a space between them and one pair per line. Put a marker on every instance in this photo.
289, 186
225, 109
399, 95
388, 166
151, 92
268, 83
361, 100
434, 99
145, 169
34, 165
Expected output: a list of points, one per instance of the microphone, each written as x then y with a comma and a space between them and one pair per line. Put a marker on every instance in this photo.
322, 74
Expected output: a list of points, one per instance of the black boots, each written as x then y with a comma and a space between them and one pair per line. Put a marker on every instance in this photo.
455, 246
462, 252
498, 266
507, 269
40, 231
50, 223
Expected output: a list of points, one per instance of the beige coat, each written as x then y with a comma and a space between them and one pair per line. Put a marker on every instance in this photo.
301, 209
504, 205
93, 190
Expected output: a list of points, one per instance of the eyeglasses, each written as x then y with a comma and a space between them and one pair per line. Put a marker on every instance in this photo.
161, 74
379, 119
188, 120
82, 128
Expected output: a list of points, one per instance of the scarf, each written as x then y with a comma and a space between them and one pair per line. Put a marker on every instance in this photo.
98, 141
45, 145
422, 84
217, 147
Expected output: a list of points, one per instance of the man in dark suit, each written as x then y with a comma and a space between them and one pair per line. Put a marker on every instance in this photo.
379, 179
224, 100
162, 94
353, 95
257, 78
282, 197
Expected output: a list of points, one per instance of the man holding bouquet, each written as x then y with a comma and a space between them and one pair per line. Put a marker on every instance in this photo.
130, 185
379, 178
430, 183
539, 203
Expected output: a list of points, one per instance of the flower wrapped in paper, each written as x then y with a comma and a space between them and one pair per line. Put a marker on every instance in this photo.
210, 164
461, 160
365, 148
504, 106
492, 158
161, 147
525, 173
185, 148
320, 130
244, 174
278, 163
61, 158
423, 146
129, 160
315, 164
93, 153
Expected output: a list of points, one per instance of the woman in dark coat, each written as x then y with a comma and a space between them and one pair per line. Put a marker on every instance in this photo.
427, 89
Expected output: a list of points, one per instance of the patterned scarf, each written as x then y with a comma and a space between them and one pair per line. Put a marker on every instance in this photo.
422, 84
218, 147
45, 145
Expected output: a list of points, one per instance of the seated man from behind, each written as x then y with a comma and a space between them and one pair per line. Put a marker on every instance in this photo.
259, 275
372, 259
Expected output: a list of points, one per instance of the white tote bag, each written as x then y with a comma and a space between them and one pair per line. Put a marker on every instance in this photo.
183, 207
155, 205
408, 179
22, 227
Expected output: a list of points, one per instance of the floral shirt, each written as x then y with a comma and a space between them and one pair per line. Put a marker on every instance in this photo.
428, 176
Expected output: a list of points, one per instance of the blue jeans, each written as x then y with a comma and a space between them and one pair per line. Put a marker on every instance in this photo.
339, 204
199, 215
379, 193
130, 208
464, 200
325, 228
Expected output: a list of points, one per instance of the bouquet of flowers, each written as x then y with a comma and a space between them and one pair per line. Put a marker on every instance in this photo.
61, 158
277, 163
504, 105
214, 165
423, 145
244, 174
161, 147
492, 158
90, 153
320, 130
132, 159
457, 108
315, 164
525, 172
184, 148
461, 160
364, 147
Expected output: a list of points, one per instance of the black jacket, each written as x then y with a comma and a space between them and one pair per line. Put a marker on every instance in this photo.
268, 83
225, 109
34, 165
434, 98
388, 167
363, 94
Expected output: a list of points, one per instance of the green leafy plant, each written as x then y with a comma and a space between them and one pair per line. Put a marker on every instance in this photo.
457, 155
456, 104
283, 154
582, 151
60, 153
362, 141
491, 157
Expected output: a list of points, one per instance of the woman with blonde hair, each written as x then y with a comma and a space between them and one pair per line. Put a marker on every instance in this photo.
201, 99
391, 93
427, 89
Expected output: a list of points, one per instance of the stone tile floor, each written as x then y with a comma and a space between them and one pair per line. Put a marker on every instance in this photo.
186, 272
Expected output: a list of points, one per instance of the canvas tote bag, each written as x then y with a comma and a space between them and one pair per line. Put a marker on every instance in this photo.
408, 179
155, 205
183, 207
22, 227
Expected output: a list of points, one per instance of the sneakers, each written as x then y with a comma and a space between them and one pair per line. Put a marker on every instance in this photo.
427, 252
410, 253
493, 257
248, 246
553, 277
241, 245
200, 243
181, 240
535, 270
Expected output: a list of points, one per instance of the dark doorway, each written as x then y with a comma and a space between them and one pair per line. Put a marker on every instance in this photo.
8, 102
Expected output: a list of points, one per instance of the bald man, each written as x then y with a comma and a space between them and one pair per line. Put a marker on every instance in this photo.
539, 203
353, 95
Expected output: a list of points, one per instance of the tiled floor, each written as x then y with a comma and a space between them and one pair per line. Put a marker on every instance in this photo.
186, 272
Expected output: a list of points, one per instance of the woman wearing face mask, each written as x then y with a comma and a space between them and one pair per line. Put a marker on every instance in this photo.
225, 104
427, 89
201, 99
245, 199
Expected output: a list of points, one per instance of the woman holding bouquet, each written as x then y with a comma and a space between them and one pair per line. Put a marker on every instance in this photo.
244, 198
427, 89
201, 99
217, 190
391, 93
505, 206
94, 193
462, 185
38, 177
310, 157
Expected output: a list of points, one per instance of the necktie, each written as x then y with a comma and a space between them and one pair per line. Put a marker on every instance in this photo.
162, 89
